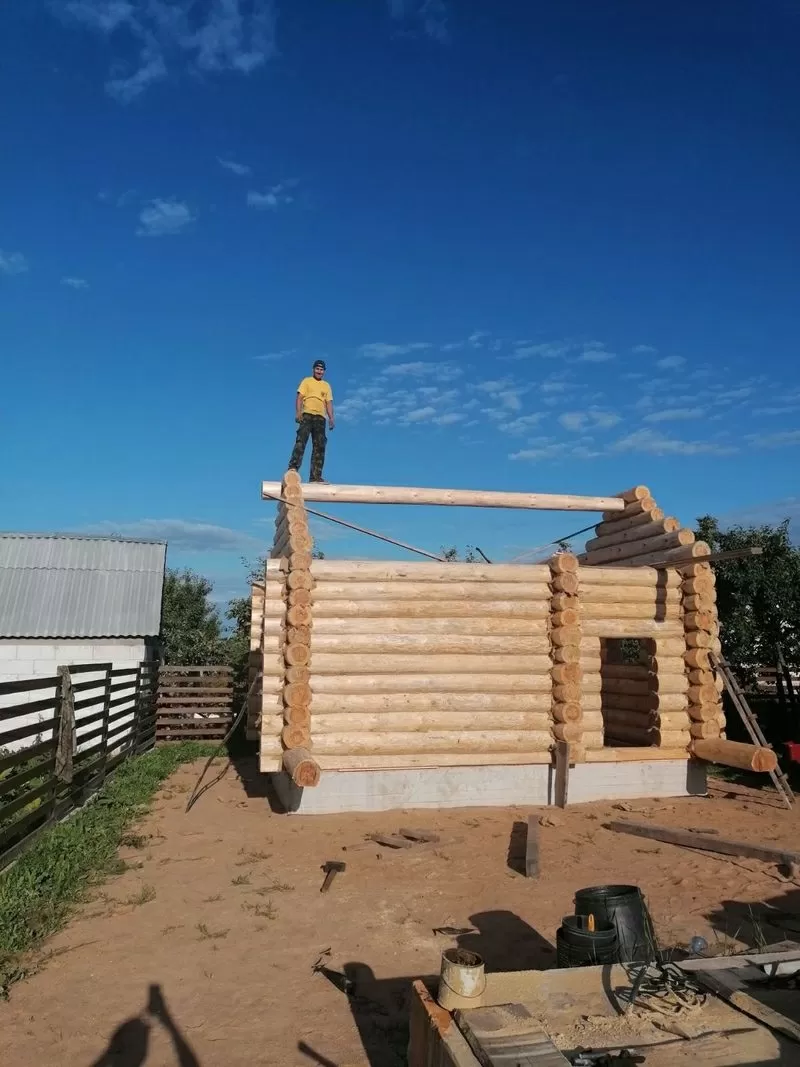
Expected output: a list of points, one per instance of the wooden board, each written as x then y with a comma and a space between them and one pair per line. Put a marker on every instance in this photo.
507, 1035
561, 782
688, 839
532, 848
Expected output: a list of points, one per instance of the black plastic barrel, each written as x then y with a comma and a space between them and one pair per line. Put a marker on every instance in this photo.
624, 907
578, 946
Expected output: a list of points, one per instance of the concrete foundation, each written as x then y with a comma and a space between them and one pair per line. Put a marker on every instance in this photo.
495, 786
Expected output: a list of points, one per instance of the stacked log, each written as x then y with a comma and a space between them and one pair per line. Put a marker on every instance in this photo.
701, 624
253, 719
645, 703
423, 664
640, 535
287, 653
565, 638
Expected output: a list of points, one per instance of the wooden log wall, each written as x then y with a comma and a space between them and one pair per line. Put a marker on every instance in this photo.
413, 664
391, 665
571, 719
253, 719
286, 722
702, 639
641, 537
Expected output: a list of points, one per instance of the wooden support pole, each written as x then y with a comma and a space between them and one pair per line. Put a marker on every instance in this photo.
319, 492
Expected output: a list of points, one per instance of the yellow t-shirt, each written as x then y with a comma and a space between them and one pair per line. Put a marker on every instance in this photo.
314, 394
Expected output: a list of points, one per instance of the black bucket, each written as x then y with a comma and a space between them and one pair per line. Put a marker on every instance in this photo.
624, 907
578, 946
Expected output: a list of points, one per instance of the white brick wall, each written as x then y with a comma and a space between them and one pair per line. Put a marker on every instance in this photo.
20, 660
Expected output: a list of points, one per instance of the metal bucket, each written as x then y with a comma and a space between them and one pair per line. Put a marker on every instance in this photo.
462, 979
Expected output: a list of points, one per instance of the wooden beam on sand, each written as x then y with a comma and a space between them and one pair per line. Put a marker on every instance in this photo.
321, 492
688, 839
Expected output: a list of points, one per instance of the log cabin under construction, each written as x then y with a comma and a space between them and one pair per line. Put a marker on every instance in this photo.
382, 685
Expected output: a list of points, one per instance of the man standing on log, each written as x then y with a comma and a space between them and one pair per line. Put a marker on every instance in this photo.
313, 402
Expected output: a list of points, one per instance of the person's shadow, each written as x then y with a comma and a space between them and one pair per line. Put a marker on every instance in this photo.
130, 1042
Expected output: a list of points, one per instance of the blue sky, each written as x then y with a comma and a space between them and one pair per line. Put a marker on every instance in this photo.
546, 247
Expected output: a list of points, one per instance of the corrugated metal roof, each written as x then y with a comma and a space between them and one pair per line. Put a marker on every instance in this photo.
69, 586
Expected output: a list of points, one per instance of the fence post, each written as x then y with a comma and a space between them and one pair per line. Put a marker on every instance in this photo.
104, 735
137, 712
65, 733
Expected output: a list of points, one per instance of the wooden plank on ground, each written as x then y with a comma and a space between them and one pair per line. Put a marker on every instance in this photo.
688, 839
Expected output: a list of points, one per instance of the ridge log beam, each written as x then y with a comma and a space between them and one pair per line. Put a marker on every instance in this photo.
322, 493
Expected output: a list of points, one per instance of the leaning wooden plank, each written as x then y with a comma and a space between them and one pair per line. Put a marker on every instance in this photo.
532, 848
688, 839
561, 783
320, 492
789, 952
729, 984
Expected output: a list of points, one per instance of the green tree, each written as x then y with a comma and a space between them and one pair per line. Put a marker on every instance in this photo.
451, 555
191, 625
758, 598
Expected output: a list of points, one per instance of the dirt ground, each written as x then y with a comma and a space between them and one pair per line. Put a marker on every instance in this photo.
202, 953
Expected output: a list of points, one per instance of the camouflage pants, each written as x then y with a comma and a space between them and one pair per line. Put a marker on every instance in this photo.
313, 426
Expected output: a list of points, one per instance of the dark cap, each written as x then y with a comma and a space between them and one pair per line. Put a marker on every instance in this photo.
319, 363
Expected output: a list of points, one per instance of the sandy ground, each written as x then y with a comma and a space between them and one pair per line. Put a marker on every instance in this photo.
203, 951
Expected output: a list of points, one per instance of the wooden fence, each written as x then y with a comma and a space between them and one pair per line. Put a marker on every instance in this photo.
57, 749
194, 703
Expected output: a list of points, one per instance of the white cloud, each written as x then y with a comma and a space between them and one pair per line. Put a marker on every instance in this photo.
13, 263
781, 439
241, 170
183, 534
274, 357
649, 441
671, 363
548, 350
273, 198
443, 372
674, 414
644, 350
549, 448
382, 350
450, 418
429, 16
594, 418
729, 396
163, 218
75, 283
420, 414
554, 385
221, 35
596, 353
521, 425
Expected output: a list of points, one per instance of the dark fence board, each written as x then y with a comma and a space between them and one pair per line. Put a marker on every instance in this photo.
124, 725
32, 708
19, 733
27, 685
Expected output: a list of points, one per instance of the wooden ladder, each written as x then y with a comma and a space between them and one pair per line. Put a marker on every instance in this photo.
779, 779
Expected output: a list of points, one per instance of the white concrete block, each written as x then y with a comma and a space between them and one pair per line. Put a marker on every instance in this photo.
24, 668
8, 651
458, 787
